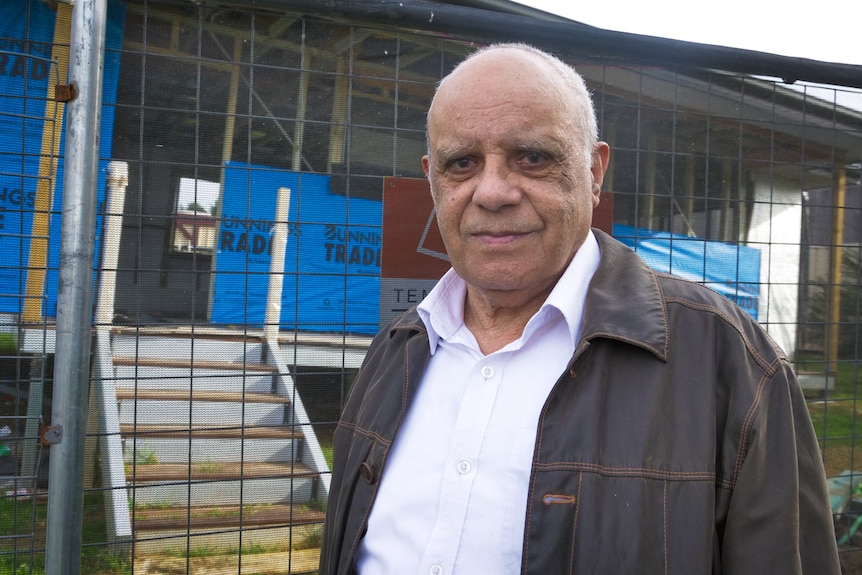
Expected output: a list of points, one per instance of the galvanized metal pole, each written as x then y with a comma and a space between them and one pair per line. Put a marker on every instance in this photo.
74, 291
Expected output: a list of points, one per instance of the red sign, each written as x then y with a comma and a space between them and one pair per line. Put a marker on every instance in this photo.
412, 246
414, 257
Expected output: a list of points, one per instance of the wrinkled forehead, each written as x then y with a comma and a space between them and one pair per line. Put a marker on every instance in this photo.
499, 94
502, 76
503, 73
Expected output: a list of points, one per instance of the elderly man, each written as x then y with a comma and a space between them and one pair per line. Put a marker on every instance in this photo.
553, 405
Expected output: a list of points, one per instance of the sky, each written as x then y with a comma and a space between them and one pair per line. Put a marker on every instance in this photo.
205, 195
825, 30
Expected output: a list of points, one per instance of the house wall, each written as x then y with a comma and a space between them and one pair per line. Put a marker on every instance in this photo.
776, 229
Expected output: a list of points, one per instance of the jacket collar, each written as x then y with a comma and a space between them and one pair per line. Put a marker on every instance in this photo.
624, 302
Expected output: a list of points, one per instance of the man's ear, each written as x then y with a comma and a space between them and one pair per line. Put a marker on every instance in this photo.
598, 167
426, 165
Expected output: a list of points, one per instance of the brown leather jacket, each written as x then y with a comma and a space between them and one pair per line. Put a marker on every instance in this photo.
678, 441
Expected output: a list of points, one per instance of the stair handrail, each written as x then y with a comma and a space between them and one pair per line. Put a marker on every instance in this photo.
117, 516
112, 222
272, 319
312, 455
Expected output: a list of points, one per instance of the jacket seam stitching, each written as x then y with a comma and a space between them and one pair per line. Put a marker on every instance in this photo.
637, 342
664, 521
643, 472
575, 524
666, 315
367, 433
530, 493
752, 350
745, 433
359, 534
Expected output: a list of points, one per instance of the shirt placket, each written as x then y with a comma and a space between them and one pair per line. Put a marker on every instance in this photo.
462, 465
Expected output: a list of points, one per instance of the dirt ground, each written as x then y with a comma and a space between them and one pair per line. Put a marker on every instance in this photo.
304, 561
851, 561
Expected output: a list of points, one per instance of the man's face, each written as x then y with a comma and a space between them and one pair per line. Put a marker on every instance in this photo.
513, 192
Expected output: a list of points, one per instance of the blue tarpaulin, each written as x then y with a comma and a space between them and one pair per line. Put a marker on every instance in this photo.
730, 269
332, 260
26, 83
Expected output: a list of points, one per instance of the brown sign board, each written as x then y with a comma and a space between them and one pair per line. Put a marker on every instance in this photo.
414, 256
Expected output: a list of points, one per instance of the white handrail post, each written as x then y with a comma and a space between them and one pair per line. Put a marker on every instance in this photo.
118, 181
272, 318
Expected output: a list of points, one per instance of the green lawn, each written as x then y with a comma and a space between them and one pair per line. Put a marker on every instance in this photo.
836, 416
22, 537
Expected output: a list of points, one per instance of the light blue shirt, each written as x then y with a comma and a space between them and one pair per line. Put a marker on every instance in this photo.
453, 494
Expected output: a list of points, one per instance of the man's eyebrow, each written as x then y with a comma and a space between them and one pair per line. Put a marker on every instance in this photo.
544, 145
450, 152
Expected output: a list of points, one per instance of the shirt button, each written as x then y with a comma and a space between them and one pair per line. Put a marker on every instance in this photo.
487, 372
435, 570
464, 467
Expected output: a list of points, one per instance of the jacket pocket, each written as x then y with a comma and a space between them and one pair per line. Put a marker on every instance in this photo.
597, 522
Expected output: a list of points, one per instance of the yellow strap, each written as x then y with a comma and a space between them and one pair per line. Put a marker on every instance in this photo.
51, 130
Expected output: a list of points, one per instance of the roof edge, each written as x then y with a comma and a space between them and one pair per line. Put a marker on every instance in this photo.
563, 37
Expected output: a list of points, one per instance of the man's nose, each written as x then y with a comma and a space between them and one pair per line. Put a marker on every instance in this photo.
496, 185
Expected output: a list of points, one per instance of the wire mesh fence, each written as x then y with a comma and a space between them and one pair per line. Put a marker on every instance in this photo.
216, 389
31, 130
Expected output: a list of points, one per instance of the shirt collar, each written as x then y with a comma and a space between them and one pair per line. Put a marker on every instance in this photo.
442, 310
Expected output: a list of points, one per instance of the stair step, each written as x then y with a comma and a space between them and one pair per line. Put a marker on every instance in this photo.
199, 395
159, 344
167, 363
284, 432
221, 483
165, 472
141, 377
226, 516
204, 444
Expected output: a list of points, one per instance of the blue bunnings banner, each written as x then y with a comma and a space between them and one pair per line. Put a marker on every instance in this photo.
332, 260
730, 269
34, 38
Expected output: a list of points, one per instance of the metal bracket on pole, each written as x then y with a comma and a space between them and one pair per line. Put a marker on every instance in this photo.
65, 92
50, 434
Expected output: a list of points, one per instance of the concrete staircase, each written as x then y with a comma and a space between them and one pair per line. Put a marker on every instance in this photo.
216, 450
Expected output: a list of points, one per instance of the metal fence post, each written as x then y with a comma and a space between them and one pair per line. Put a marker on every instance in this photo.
74, 292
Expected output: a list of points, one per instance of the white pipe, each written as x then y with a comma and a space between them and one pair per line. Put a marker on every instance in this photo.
118, 181
276, 266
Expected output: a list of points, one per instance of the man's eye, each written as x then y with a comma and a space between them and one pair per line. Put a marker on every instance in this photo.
461, 163
535, 158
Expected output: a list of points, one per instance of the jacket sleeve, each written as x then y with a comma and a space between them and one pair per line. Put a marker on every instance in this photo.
779, 519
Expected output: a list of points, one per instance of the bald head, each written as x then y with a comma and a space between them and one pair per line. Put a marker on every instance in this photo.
515, 172
519, 67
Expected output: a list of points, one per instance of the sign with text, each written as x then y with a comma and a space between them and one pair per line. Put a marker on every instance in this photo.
33, 50
414, 257
332, 258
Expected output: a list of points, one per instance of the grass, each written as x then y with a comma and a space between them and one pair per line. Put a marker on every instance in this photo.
250, 549
23, 524
208, 467
22, 537
327, 451
837, 417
